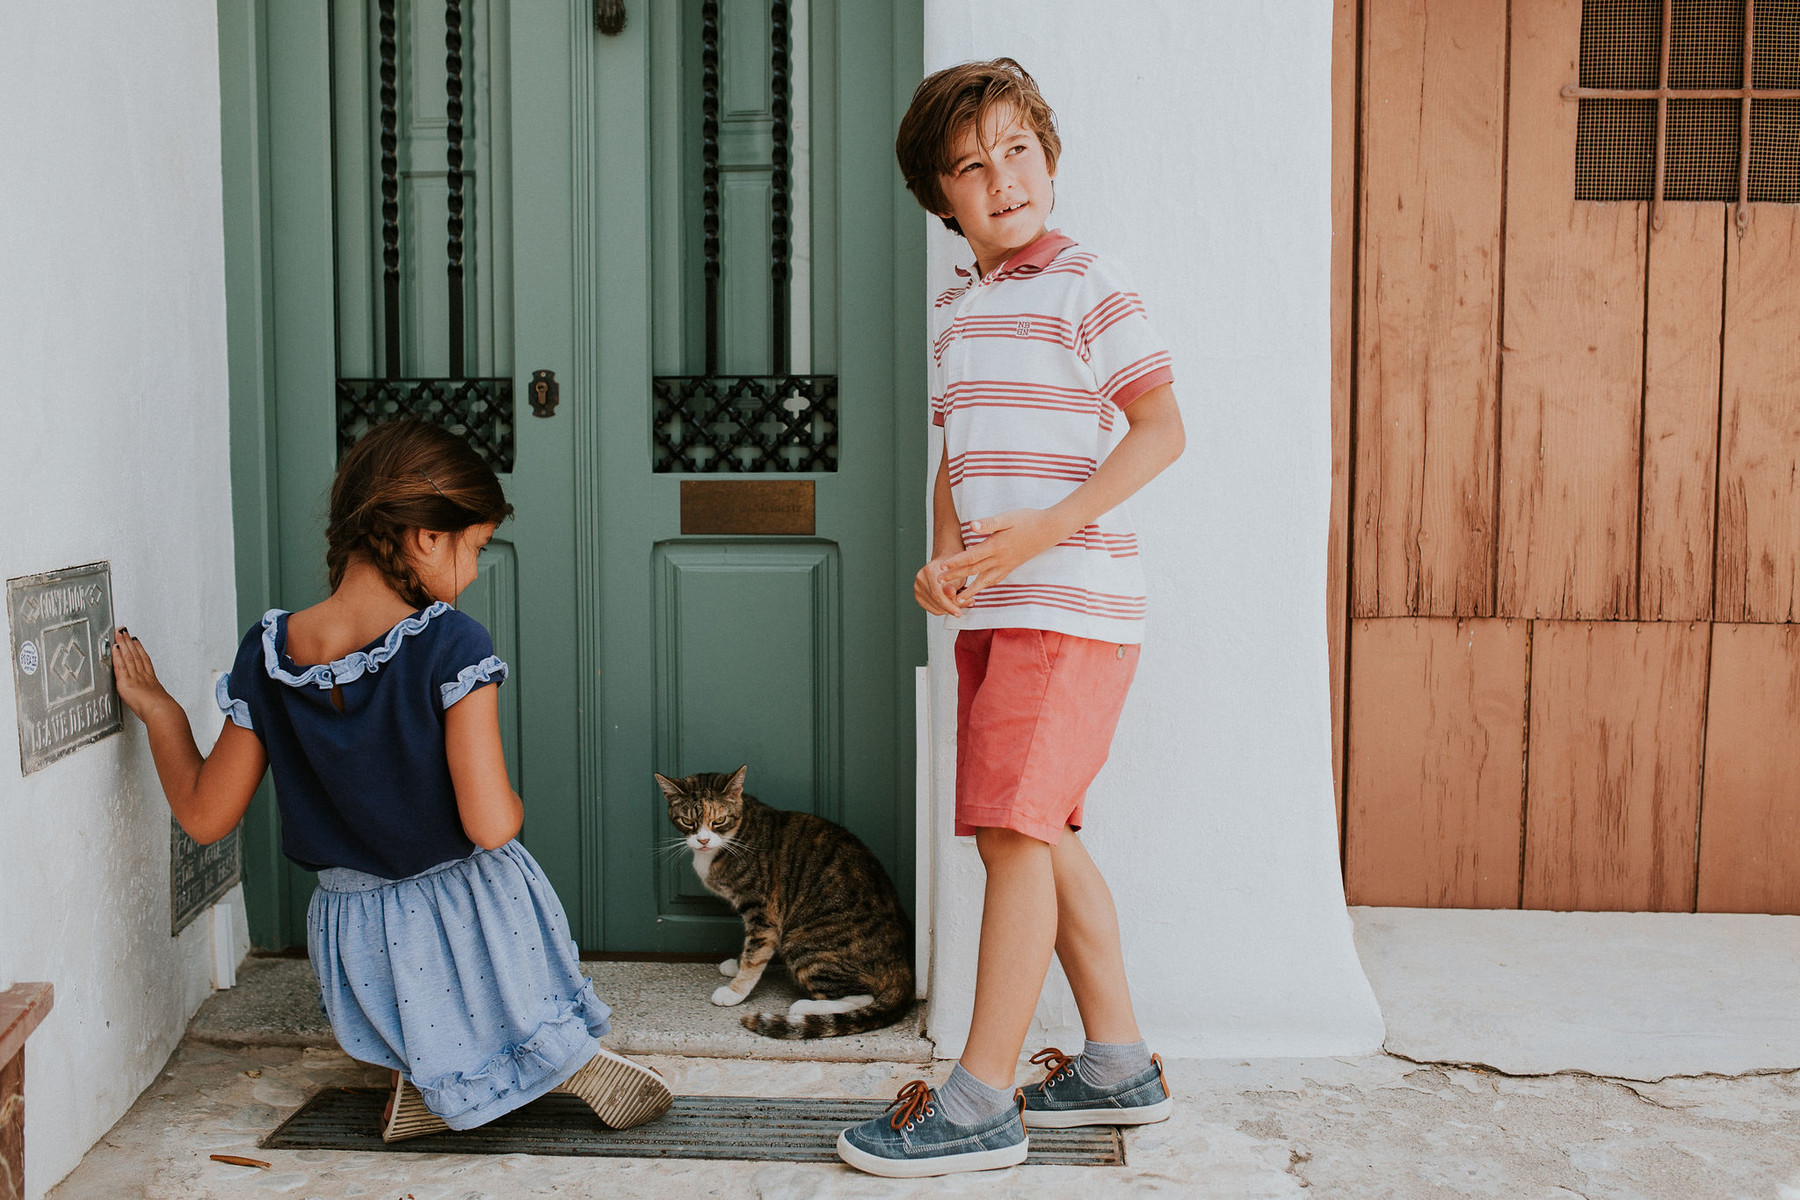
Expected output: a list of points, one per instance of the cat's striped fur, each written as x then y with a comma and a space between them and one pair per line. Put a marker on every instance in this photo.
808, 890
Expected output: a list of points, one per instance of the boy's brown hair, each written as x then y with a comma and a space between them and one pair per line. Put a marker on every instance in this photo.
957, 98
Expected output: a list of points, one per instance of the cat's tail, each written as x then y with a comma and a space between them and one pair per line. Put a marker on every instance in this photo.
836, 1018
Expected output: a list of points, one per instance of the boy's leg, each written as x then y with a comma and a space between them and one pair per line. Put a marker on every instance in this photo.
975, 1120
1018, 933
1087, 945
1115, 1080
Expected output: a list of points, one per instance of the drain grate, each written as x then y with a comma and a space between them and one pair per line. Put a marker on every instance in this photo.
740, 1127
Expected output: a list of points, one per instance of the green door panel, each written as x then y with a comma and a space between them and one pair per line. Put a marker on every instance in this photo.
734, 687
633, 648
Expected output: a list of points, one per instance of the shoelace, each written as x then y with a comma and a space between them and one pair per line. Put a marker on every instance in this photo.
1053, 1061
913, 1103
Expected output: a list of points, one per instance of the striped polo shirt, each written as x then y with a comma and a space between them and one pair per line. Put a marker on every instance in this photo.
1030, 367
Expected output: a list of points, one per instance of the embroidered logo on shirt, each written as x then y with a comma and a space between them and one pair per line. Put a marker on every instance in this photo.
1024, 327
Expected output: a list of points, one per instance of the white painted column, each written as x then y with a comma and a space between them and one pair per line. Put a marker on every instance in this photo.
1197, 154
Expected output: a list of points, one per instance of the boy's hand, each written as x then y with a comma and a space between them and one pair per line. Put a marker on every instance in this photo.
935, 590
1011, 538
139, 689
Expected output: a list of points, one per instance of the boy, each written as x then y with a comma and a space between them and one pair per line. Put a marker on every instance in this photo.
1036, 355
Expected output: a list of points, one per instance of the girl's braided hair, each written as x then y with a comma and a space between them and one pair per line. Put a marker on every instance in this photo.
401, 476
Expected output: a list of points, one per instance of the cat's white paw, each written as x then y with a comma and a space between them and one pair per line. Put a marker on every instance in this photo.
725, 997
728, 968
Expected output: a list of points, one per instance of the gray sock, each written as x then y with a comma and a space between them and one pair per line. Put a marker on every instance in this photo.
965, 1100
1108, 1064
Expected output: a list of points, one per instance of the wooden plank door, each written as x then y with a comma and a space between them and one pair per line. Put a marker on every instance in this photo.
1567, 439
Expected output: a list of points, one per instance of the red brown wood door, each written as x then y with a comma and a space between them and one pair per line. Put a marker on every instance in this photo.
1565, 552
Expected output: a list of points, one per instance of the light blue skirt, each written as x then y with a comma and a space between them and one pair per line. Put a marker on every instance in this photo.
464, 977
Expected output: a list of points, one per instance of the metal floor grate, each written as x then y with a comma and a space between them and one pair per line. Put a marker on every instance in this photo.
736, 1127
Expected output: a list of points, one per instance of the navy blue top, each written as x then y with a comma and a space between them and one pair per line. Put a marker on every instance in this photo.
369, 787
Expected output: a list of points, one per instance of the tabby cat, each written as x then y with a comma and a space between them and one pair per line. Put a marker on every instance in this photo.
808, 890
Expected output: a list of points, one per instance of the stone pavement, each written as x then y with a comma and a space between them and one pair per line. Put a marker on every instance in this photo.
1471, 987
1366, 1127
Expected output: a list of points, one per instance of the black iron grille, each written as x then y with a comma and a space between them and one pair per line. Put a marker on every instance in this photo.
478, 410
716, 420
706, 423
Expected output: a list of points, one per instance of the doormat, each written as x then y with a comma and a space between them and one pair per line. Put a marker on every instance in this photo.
740, 1127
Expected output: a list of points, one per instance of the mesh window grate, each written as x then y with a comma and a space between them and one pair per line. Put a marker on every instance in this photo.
1775, 151
1616, 138
1621, 43
1615, 150
1702, 159
1777, 50
1706, 45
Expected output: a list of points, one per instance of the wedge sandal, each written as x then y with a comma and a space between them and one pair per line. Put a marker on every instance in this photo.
406, 1115
621, 1093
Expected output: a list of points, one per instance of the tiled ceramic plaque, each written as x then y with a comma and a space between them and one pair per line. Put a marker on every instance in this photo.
198, 875
61, 626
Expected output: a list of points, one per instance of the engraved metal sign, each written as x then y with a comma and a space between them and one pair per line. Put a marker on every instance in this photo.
198, 875
750, 506
62, 625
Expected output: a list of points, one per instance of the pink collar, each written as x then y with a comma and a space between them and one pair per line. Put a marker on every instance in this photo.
1036, 255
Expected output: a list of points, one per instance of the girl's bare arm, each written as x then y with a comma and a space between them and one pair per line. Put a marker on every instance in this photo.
207, 793
491, 811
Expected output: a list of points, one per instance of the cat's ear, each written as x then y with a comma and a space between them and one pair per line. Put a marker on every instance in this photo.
734, 787
669, 787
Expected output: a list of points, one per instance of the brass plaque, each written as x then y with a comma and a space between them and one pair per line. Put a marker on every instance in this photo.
765, 506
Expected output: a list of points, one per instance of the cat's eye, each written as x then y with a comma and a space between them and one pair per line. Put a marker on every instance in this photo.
685, 822
722, 823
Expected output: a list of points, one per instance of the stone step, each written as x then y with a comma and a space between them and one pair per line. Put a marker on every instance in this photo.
658, 1008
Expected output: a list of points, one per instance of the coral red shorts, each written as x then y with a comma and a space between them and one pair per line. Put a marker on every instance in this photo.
1035, 714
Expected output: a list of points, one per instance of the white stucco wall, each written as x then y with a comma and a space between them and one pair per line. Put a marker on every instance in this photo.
113, 420
1197, 152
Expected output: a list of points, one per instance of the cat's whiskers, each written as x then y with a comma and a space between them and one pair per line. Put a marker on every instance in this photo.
673, 848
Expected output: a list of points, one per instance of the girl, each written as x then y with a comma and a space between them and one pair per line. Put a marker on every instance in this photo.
440, 948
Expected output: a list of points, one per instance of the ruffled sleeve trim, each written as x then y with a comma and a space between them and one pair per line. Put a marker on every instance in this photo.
236, 709
352, 666
489, 670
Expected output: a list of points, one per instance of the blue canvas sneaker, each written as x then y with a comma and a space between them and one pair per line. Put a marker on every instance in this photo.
1063, 1100
918, 1140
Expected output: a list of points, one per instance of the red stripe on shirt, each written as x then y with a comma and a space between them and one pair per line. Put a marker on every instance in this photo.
997, 464
1072, 599
1114, 545
1025, 327
1104, 315
1131, 372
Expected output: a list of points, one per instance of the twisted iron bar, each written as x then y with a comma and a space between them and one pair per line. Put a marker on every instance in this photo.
453, 157
709, 173
390, 193
779, 226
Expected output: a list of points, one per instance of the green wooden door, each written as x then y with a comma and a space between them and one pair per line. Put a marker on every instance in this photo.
584, 245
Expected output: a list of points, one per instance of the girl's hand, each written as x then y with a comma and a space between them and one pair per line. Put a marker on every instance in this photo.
1011, 538
139, 689
935, 590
